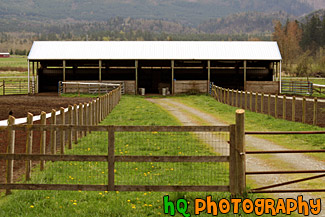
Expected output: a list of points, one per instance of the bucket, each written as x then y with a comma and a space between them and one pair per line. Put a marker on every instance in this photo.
142, 91
164, 91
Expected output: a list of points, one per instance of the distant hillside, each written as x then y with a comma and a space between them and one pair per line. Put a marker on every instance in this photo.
184, 11
253, 23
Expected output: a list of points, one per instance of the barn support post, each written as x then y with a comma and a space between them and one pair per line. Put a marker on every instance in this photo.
173, 71
209, 73
64, 65
100, 71
33, 77
280, 66
28, 79
245, 69
136, 76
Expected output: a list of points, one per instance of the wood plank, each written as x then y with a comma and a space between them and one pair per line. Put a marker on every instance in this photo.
196, 159
10, 150
173, 188
38, 127
111, 159
65, 187
50, 157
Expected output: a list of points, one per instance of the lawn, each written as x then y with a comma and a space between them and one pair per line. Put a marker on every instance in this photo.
131, 111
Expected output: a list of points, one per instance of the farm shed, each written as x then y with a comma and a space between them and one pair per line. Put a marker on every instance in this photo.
181, 66
4, 55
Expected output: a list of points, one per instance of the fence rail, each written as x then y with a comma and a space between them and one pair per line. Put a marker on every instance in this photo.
88, 87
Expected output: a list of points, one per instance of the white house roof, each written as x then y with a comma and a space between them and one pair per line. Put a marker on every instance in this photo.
154, 50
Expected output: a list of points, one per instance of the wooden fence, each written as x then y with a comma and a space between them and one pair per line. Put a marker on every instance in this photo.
235, 159
296, 87
260, 102
16, 86
49, 137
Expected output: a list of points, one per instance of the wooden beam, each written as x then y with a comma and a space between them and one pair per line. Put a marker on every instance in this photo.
136, 76
173, 68
209, 73
100, 71
64, 65
245, 71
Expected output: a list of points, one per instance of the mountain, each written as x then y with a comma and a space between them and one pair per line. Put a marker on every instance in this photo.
249, 22
190, 12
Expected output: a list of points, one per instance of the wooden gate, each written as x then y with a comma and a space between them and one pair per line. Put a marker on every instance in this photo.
268, 189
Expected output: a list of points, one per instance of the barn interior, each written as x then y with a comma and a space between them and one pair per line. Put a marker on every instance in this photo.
179, 67
153, 75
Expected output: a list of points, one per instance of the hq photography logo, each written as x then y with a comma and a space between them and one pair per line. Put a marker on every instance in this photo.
258, 206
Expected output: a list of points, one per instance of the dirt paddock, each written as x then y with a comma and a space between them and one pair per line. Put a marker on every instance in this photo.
21, 104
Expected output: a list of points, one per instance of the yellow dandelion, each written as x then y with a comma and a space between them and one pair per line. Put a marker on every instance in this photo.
150, 204
171, 168
129, 201
103, 172
100, 193
136, 168
47, 197
31, 206
145, 194
75, 204
117, 192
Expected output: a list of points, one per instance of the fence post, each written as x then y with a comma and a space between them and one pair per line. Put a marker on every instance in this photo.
86, 118
95, 112
3, 87
246, 99
269, 104
10, 150
98, 110
251, 100
81, 119
29, 145
228, 96
240, 153
236, 98
70, 115
75, 120
315, 112
43, 140
276, 106
304, 110
111, 102
284, 107
241, 99
111, 141
233, 181
293, 108
256, 99
62, 132
262, 103
90, 115
53, 132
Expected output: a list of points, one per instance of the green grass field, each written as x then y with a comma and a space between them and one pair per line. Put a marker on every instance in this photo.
14, 61
131, 111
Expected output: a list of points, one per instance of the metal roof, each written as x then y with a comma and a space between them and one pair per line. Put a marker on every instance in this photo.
154, 50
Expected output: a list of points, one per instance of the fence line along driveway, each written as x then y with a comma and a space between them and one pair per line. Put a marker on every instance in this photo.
189, 116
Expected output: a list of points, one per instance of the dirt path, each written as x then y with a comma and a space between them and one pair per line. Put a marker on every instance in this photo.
189, 116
